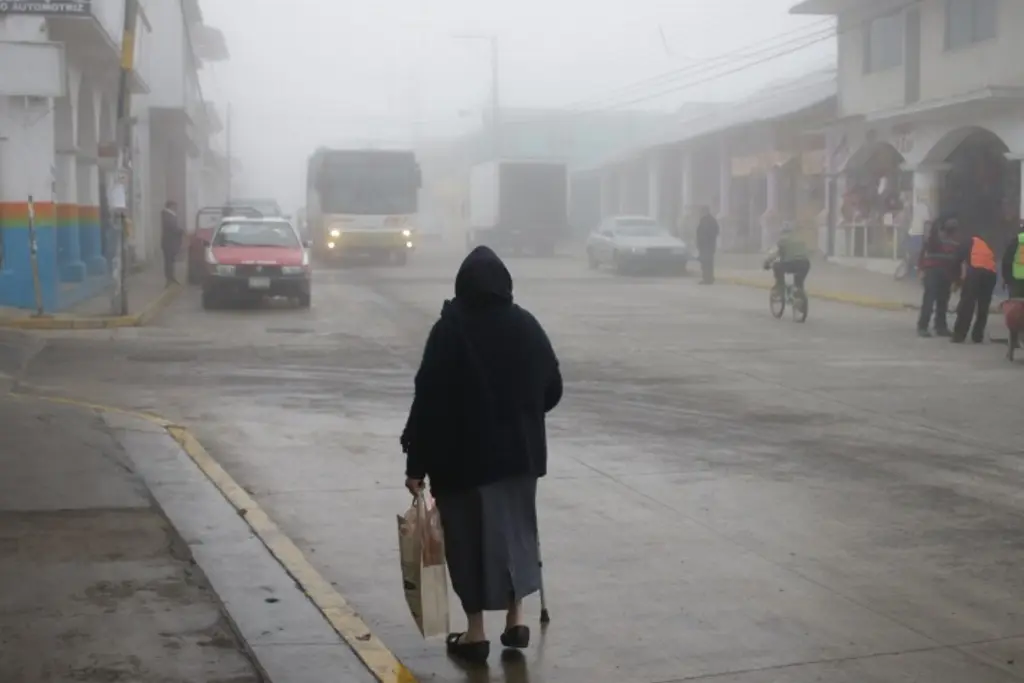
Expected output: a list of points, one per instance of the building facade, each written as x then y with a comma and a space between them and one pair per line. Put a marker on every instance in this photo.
930, 101
59, 144
755, 164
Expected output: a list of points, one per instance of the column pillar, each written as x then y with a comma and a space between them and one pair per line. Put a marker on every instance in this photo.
728, 228
927, 195
88, 181
69, 245
689, 212
771, 221
608, 200
654, 186
28, 156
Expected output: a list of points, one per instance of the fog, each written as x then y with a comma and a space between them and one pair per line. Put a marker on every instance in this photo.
305, 73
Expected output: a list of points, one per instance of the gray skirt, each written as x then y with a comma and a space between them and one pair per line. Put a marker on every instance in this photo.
490, 537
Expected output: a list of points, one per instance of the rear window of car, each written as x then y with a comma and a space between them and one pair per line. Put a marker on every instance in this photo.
638, 227
256, 234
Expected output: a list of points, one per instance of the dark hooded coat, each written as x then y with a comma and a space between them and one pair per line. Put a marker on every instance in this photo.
488, 377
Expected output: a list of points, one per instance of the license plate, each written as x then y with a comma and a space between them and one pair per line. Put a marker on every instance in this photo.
259, 283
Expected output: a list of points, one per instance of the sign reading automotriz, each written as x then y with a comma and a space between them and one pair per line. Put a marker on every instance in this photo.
58, 8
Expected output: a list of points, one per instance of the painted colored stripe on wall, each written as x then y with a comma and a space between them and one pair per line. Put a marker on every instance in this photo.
89, 215
67, 215
15, 214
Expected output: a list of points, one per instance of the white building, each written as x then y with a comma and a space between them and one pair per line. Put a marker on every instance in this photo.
58, 132
931, 94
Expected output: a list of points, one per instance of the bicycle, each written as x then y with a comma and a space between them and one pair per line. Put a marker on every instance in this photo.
792, 295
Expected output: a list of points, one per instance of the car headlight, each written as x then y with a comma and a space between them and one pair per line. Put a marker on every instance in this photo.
330, 245
209, 257
335, 233
224, 270
407, 233
292, 270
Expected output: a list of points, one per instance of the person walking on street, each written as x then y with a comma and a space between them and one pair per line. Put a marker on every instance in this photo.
171, 236
476, 432
938, 269
707, 243
978, 275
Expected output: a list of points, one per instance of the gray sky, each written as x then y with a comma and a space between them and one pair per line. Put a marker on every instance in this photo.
310, 72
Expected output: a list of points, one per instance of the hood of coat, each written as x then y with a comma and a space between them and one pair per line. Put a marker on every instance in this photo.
483, 279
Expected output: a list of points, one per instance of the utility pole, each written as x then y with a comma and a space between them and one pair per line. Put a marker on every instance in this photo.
231, 164
122, 191
495, 90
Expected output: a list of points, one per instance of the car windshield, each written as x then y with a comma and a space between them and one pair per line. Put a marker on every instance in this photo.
638, 227
265, 207
255, 234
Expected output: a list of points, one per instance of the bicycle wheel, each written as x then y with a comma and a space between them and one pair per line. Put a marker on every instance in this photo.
777, 301
799, 305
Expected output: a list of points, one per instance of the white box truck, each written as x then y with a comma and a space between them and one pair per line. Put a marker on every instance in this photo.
518, 205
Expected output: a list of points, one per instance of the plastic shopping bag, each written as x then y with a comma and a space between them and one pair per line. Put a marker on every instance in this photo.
424, 574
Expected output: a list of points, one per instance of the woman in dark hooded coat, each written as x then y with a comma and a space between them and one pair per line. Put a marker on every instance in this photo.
476, 430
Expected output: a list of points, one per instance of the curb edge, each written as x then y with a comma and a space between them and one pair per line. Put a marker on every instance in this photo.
153, 309
379, 661
853, 300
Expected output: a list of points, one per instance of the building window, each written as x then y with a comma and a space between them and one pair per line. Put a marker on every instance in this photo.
883, 43
970, 21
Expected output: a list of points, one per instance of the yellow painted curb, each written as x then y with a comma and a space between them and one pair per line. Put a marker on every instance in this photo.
346, 622
852, 299
60, 322
381, 662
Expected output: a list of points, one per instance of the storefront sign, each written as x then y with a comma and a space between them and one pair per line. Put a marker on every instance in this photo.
52, 8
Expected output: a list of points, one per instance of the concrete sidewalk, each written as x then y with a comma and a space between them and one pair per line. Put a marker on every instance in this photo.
96, 585
147, 296
832, 282
122, 559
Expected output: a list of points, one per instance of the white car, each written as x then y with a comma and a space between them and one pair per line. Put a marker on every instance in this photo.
636, 243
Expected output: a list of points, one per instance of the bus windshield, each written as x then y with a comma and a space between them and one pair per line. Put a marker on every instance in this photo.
369, 189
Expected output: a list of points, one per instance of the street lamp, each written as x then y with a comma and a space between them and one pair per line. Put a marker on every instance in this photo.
495, 96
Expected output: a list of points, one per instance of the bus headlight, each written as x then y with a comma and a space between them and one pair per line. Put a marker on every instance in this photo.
407, 233
335, 233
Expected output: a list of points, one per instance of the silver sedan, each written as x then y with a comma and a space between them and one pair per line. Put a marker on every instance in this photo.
630, 244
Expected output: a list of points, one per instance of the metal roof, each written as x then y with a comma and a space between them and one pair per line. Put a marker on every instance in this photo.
773, 102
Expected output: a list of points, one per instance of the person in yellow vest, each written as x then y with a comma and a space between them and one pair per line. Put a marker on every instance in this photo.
1013, 265
978, 275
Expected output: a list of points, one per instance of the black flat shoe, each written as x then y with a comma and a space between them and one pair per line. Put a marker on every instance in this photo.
473, 653
517, 637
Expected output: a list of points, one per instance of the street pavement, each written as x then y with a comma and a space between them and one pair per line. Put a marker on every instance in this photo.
94, 586
731, 497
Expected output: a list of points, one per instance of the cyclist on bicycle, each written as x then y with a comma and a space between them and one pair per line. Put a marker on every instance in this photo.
790, 255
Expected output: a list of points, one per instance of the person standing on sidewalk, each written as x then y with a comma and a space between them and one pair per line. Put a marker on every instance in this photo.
171, 236
938, 269
1013, 279
476, 429
707, 243
979, 282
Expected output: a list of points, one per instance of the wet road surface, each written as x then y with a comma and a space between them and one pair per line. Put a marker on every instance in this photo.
730, 498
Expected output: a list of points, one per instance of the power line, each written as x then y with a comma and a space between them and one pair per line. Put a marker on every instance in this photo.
787, 48
668, 76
